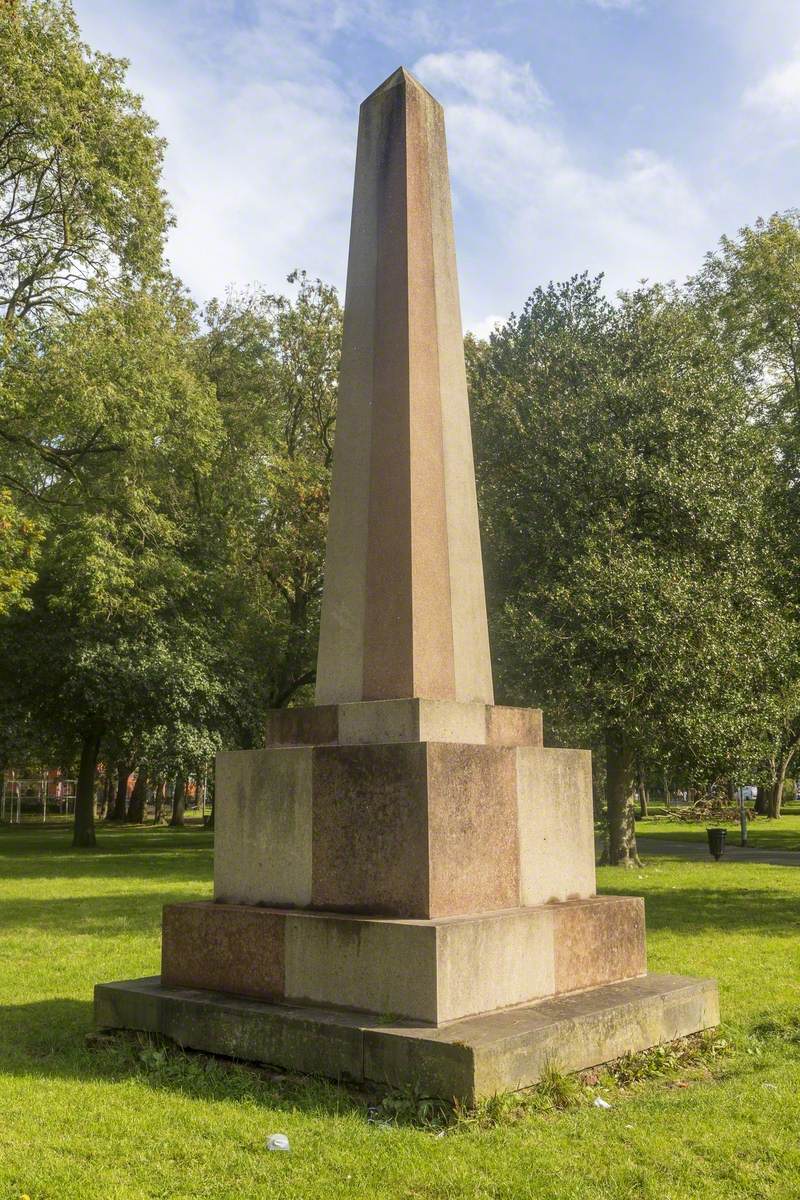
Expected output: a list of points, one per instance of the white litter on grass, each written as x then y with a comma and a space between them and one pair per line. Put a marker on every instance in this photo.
277, 1141
599, 1102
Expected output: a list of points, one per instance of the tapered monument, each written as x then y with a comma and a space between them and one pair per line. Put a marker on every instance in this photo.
405, 846
403, 612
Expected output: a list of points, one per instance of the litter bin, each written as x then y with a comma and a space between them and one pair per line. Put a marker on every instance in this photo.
716, 842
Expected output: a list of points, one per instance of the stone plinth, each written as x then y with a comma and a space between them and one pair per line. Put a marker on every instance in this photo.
405, 828
467, 1060
434, 971
412, 720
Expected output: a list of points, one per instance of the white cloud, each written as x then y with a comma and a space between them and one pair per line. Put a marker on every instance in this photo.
544, 212
615, 4
486, 77
261, 125
260, 132
778, 93
487, 325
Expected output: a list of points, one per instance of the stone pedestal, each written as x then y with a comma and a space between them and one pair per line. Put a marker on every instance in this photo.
470, 1059
398, 910
404, 885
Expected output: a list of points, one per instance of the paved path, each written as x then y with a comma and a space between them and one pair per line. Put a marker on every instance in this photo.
733, 851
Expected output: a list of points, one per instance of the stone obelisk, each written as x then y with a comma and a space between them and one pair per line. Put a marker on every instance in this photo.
405, 846
404, 612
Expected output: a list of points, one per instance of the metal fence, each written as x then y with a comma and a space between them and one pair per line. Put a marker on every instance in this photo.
36, 797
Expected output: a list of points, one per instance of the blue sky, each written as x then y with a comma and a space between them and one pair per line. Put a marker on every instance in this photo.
622, 136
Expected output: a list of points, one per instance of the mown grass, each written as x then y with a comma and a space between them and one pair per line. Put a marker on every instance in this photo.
762, 834
125, 1120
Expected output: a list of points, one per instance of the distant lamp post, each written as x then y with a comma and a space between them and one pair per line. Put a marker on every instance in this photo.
742, 818
716, 842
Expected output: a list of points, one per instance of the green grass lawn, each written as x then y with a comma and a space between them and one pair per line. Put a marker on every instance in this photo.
121, 1122
762, 834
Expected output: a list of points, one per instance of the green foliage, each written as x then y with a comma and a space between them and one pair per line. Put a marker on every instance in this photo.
274, 366
749, 290
19, 548
622, 493
107, 430
79, 162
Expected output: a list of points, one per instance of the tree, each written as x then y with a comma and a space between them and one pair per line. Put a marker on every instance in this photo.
263, 516
750, 289
178, 801
19, 548
110, 641
80, 194
138, 802
621, 530
81, 210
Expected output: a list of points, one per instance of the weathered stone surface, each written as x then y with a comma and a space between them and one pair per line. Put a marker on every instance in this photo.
234, 948
314, 1041
404, 720
505, 1051
513, 726
403, 609
318, 726
598, 941
556, 824
468, 1059
473, 852
415, 830
405, 828
494, 961
378, 966
262, 820
370, 830
411, 721
435, 971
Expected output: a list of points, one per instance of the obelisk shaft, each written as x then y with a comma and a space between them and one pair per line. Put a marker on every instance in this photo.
403, 608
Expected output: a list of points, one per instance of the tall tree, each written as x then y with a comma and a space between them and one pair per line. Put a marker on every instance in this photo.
110, 620
621, 529
274, 363
750, 290
80, 194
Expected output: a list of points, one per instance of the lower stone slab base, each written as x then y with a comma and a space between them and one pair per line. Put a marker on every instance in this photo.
467, 1059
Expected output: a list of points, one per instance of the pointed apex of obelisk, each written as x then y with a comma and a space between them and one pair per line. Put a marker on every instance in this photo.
399, 78
403, 610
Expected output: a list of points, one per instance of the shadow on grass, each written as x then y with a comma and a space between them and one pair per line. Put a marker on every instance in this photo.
143, 853
47, 1039
710, 910
97, 916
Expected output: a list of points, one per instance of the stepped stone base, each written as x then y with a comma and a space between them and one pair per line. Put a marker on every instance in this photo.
435, 971
468, 1059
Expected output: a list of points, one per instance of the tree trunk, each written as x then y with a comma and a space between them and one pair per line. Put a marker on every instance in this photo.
644, 798
121, 801
160, 797
762, 801
200, 791
83, 828
178, 800
620, 801
108, 792
138, 802
776, 791
731, 792
210, 790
